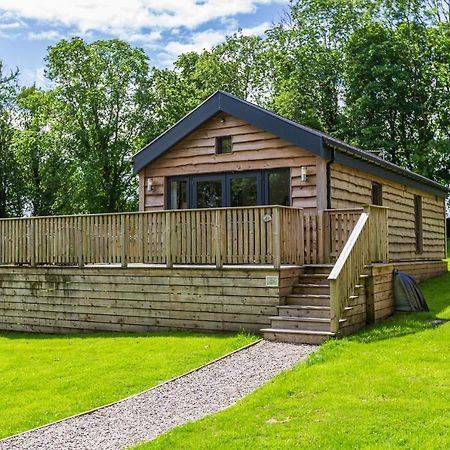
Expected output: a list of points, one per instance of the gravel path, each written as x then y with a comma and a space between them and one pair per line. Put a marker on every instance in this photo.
151, 413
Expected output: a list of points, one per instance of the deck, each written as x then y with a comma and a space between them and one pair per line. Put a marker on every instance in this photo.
276, 270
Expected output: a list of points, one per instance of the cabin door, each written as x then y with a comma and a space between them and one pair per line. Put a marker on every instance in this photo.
208, 191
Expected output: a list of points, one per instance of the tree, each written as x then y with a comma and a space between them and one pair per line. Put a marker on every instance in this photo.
103, 87
11, 187
238, 66
38, 143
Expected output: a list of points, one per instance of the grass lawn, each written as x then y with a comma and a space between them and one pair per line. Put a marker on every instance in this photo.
46, 377
386, 387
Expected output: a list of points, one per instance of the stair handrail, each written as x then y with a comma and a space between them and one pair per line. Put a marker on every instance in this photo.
348, 268
367, 243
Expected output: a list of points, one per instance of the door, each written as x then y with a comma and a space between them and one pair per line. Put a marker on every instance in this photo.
208, 191
244, 189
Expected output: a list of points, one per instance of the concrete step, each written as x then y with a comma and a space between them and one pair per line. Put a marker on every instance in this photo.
311, 288
296, 336
308, 299
304, 311
301, 323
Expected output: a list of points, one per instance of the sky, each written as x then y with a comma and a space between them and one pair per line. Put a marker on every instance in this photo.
164, 28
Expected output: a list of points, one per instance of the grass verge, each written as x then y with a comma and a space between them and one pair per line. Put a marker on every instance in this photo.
44, 378
386, 387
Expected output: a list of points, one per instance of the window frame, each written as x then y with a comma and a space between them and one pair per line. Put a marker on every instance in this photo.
169, 189
219, 144
262, 178
377, 193
418, 223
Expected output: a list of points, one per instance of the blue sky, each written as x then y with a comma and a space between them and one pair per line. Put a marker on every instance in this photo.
164, 28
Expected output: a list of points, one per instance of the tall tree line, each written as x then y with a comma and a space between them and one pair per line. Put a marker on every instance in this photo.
375, 73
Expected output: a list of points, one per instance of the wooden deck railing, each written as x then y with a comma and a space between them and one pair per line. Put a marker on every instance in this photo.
368, 242
254, 235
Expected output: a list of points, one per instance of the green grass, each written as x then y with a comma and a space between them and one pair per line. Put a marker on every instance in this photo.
45, 377
387, 387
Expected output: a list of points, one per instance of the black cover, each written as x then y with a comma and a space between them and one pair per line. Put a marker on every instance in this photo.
408, 296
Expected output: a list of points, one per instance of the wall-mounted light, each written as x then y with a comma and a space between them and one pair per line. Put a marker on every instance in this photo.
150, 187
304, 173
222, 120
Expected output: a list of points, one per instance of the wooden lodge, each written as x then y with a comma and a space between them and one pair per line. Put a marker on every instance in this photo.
247, 221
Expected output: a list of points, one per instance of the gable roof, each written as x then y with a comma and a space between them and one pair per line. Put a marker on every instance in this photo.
309, 139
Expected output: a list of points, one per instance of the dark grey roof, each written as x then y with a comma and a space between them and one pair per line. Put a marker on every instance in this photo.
305, 137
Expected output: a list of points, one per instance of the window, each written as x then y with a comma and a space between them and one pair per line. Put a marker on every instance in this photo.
377, 194
178, 194
245, 190
224, 144
208, 193
279, 187
252, 188
418, 224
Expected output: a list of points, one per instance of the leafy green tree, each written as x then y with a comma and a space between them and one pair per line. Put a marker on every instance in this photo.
104, 90
11, 187
47, 169
238, 66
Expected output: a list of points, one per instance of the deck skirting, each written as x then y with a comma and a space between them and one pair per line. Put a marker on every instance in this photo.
140, 299
73, 299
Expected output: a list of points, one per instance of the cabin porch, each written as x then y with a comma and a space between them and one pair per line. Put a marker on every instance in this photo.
276, 270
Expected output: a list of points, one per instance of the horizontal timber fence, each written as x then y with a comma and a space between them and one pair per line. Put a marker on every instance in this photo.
270, 235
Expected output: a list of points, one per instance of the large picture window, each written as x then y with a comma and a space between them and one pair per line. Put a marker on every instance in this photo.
259, 187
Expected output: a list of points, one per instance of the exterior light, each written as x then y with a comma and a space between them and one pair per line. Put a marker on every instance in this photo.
304, 173
150, 187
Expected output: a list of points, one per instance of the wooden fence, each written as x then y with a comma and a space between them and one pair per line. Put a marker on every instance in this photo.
254, 235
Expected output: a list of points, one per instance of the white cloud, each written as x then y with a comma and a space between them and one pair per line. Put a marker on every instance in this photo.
205, 40
119, 16
257, 30
51, 35
11, 25
202, 40
36, 76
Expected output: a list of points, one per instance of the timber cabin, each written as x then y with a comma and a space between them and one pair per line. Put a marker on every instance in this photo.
247, 221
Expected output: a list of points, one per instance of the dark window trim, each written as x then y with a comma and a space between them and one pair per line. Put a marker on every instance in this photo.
247, 174
219, 144
377, 188
169, 188
418, 223
262, 177
213, 177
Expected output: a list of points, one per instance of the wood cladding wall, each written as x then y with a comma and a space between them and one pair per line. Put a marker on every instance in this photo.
253, 149
72, 299
350, 188
380, 292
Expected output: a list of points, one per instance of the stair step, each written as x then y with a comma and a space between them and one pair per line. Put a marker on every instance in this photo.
311, 288
308, 299
304, 311
317, 268
316, 278
296, 336
302, 323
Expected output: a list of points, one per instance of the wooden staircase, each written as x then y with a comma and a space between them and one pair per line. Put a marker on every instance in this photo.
305, 318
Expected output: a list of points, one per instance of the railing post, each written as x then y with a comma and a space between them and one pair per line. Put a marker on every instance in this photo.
302, 237
124, 237
378, 233
220, 237
80, 242
276, 238
168, 239
324, 237
334, 307
32, 243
